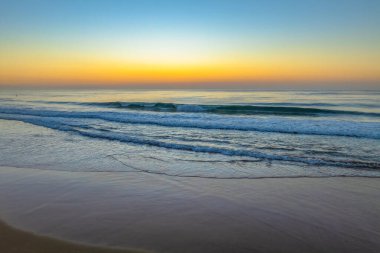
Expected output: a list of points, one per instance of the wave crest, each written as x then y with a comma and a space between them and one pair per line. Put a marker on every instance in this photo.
225, 109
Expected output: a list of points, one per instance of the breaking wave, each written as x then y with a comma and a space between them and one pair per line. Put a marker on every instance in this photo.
209, 121
258, 109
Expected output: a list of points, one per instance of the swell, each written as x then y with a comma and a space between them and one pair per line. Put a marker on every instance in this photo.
291, 109
120, 137
204, 121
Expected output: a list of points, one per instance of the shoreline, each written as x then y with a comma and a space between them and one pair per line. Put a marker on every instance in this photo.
176, 215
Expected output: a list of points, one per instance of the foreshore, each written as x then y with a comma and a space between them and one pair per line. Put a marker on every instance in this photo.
16, 241
185, 215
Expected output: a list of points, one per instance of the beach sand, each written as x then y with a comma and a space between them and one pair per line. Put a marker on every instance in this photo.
186, 215
16, 241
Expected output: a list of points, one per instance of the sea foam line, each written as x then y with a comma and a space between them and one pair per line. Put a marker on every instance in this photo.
61, 126
225, 122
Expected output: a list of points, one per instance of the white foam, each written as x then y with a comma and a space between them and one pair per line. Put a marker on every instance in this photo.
225, 122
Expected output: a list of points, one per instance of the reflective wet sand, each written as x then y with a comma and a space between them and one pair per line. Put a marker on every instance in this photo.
168, 214
17, 241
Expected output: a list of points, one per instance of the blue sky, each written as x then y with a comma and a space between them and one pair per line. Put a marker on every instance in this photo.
351, 27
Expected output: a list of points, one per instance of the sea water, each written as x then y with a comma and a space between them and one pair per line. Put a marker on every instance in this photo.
192, 133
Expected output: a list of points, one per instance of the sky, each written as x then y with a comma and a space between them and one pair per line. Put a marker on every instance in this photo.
189, 43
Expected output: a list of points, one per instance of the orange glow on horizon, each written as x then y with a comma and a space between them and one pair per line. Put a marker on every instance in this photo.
43, 70
127, 43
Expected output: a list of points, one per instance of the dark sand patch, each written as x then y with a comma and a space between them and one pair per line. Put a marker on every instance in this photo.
16, 241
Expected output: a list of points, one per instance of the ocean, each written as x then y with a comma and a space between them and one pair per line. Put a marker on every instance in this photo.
193, 133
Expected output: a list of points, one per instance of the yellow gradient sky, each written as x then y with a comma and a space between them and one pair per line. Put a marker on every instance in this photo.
118, 43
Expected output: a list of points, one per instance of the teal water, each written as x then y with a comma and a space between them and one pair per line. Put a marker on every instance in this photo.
211, 134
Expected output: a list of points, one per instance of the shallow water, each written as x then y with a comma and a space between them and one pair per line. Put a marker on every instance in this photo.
211, 134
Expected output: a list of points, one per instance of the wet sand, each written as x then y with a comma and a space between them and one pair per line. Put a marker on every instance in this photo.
180, 215
17, 241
